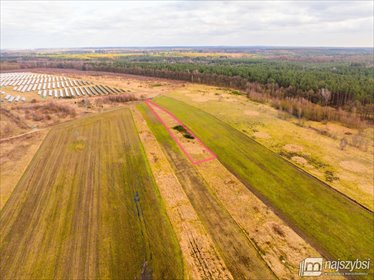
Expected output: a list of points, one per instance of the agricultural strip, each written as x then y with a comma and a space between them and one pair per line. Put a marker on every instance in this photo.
239, 254
338, 227
201, 259
88, 207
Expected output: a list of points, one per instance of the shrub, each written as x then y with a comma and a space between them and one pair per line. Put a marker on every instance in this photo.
181, 129
123, 98
278, 230
39, 112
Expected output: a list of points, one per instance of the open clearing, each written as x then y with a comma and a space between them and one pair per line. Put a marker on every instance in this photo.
313, 209
88, 207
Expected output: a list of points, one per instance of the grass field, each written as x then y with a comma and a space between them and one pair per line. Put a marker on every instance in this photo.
313, 146
335, 225
88, 207
239, 254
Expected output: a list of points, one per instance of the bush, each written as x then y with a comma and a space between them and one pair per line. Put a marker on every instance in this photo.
188, 136
123, 98
278, 230
39, 112
181, 129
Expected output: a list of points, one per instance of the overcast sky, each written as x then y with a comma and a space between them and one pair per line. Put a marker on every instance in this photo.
33, 24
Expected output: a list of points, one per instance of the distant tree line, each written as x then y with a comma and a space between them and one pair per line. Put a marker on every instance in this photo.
337, 84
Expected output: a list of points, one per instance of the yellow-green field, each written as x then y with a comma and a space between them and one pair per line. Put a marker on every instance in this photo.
312, 146
87, 207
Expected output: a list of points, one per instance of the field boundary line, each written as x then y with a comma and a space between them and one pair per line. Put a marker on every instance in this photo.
21, 135
149, 103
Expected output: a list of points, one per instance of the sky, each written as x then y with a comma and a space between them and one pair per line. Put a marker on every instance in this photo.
64, 24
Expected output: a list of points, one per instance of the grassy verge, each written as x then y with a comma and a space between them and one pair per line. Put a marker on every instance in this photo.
88, 207
336, 226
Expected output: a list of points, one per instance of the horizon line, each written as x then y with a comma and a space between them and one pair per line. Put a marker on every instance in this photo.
188, 46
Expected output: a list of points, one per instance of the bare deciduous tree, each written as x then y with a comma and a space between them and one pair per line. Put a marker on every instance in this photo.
326, 94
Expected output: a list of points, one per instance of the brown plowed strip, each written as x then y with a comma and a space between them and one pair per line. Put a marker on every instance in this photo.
202, 259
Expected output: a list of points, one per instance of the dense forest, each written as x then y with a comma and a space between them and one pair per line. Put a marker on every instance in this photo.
347, 85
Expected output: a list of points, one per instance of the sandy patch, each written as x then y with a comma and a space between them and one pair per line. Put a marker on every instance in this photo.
353, 166
262, 135
299, 160
293, 148
251, 113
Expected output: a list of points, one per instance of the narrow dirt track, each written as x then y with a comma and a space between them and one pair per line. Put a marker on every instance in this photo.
19, 135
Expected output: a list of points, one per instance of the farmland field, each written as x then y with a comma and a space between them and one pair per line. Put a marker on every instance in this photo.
187, 140
312, 146
239, 254
93, 204
81, 211
315, 210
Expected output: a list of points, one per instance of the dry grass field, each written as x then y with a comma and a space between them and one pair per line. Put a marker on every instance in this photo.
15, 156
88, 207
